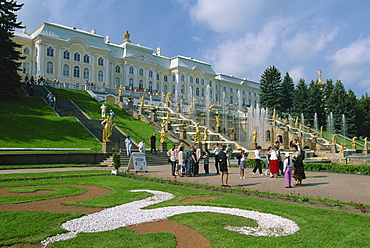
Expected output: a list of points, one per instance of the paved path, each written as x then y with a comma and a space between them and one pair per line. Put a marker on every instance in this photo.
342, 187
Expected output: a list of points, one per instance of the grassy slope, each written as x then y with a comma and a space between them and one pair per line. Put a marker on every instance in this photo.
318, 227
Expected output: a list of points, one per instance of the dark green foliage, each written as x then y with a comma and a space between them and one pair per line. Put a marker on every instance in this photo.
8, 54
287, 88
271, 89
362, 111
300, 102
341, 168
116, 161
315, 102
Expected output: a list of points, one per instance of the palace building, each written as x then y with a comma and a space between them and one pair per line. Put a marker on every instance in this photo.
73, 56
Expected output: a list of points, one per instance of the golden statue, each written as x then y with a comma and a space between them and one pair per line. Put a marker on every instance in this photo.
163, 126
296, 122
142, 100
321, 128
211, 107
168, 95
120, 91
217, 121
274, 115
300, 126
107, 130
354, 142
334, 139
197, 133
191, 108
205, 138
341, 148
163, 133
127, 37
254, 135
320, 82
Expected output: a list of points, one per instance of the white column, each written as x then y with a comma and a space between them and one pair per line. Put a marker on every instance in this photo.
40, 59
107, 73
92, 73
60, 66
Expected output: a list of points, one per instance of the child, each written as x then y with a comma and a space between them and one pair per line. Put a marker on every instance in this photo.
241, 163
206, 161
288, 170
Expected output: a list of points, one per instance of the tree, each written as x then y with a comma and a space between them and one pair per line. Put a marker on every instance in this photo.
340, 104
300, 104
287, 88
362, 111
315, 104
271, 89
8, 55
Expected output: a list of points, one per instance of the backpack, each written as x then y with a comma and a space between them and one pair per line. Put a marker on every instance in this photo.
303, 154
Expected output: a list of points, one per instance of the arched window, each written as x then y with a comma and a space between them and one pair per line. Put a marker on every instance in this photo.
26, 68
231, 89
151, 73
141, 85
66, 55
76, 71
100, 76
216, 97
141, 72
165, 78
66, 70
165, 90
118, 69
76, 56
131, 82
101, 61
197, 80
157, 87
131, 70
211, 94
202, 92
210, 83
173, 78
191, 79
86, 73
86, 59
173, 89
50, 67
182, 89
202, 81
157, 76
224, 89
243, 101
231, 100
117, 81
197, 91
150, 86
50, 52
26, 51
182, 77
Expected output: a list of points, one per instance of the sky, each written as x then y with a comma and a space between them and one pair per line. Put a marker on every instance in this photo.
237, 37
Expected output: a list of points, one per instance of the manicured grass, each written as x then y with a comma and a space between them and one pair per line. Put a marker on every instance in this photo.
38, 166
318, 227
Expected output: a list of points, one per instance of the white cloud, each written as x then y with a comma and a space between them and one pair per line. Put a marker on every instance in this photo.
352, 64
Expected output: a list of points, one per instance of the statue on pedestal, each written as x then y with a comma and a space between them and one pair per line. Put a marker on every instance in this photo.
197, 133
205, 138
254, 135
354, 142
107, 130
217, 121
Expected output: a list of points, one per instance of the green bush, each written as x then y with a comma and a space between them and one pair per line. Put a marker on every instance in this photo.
343, 168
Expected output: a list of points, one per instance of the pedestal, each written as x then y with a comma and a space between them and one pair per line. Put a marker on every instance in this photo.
218, 129
178, 109
366, 150
163, 146
167, 104
182, 135
153, 118
333, 148
107, 147
130, 104
202, 122
232, 136
254, 146
140, 111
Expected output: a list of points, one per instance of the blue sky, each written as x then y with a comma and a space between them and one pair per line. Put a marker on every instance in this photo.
237, 37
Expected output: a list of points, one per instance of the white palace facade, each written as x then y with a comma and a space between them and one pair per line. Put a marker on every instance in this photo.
79, 57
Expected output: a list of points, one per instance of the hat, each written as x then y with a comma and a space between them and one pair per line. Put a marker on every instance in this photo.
287, 154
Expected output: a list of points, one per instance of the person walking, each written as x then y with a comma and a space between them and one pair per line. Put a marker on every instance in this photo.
216, 152
241, 162
297, 158
141, 146
224, 176
153, 140
206, 161
274, 163
172, 153
128, 142
257, 159
288, 163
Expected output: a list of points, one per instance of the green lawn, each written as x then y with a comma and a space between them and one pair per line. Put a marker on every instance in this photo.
318, 227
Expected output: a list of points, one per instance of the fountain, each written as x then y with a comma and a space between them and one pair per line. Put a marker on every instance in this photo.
302, 119
330, 123
316, 123
344, 125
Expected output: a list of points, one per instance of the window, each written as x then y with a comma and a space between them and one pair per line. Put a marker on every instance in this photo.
202, 92
76, 71
224, 89
49, 67
182, 78
141, 72
76, 56
216, 87
100, 76
210, 83
150, 86
173, 78
197, 91
26, 68
66, 70
151, 74
118, 69
86, 59
211, 94
254, 94
100, 61
165, 78
86, 73
243, 101
250, 102
191, 91
157, 76
165, 89
182, 89
249, 93
50, 52
243, 92
26, 51
131, 82
202, 81
157, 87
231, 100
66, 55
191, 79
141, 85
131, 70
197, 80
231, 89
173, 89
216, 97
117, 81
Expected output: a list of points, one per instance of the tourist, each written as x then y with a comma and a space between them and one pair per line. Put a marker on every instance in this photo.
206, 161
216, 152
288, 170
229, 152
153, 139
141, 146
224, 176
274, 163
297, 158
192, 159
103, 108
180, 161
257, 159
267, 172
280, 161
172, 153
49, 96
241, 162
295, 142
198, 153
128, 142
112, 115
